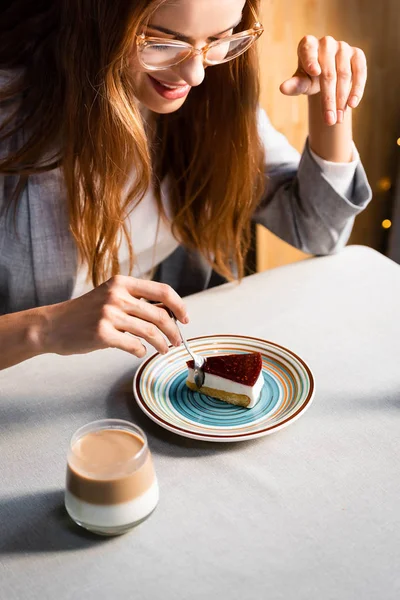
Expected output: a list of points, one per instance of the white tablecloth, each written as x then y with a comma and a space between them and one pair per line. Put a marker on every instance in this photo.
309, 513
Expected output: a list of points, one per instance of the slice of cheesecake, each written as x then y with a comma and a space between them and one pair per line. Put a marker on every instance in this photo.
233, 378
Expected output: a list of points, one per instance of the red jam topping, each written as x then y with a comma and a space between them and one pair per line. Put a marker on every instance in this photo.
240, 368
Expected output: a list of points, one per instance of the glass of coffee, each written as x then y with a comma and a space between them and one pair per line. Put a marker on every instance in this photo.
111, 485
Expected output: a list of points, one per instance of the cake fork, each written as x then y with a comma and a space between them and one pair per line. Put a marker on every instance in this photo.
198, 360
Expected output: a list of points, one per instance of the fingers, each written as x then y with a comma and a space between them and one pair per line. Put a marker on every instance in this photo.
359, 71
335, 69
343, 78
343, 70
128, 343
114, 320
152, 290
328, 79
308, 53
109, 337
142, 329
122, 308
296, 85
156, 316
301, 81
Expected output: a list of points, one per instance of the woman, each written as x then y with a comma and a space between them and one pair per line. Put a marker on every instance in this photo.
132, 142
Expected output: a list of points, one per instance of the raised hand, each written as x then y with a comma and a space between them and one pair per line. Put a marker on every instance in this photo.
332, 68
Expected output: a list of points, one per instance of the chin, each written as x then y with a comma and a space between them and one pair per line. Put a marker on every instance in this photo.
162, 107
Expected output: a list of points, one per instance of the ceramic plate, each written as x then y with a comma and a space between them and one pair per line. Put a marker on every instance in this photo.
161, 392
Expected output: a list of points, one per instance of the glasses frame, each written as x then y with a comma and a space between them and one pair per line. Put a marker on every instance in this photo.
142, 41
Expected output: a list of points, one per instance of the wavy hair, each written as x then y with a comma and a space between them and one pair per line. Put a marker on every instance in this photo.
76, 108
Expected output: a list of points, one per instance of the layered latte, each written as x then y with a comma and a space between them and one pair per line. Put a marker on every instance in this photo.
111, 484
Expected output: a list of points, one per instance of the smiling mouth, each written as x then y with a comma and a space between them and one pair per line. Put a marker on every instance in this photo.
171, 86
169, 91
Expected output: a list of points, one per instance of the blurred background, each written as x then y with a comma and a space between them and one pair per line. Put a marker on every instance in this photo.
375, 27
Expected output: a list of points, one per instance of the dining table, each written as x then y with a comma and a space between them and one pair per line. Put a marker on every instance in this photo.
310, 511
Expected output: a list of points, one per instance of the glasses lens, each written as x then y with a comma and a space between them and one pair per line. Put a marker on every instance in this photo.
223, 51
161, 56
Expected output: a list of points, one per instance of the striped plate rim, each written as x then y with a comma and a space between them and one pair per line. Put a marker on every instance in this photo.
205, 345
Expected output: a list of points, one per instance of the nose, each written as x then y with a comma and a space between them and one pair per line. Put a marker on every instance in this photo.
192, 70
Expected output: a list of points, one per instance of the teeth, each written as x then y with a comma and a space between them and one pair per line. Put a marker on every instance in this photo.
170, 87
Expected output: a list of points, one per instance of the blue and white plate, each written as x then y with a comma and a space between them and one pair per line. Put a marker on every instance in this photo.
160, 390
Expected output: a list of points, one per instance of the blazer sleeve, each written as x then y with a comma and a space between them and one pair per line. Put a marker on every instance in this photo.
300, 205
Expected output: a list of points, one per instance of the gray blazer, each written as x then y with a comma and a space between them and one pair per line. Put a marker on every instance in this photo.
38, 258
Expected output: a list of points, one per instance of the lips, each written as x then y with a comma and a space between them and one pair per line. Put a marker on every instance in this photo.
169, 91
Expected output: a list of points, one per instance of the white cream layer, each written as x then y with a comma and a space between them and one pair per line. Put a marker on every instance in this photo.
112, 515
220, 383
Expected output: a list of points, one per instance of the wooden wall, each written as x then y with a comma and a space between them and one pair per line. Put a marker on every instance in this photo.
374, 26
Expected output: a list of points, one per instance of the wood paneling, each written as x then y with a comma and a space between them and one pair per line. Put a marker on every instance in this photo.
374, 26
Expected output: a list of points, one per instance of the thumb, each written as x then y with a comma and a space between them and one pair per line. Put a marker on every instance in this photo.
298, 84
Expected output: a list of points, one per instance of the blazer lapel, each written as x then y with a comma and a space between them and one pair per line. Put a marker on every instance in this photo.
53, 249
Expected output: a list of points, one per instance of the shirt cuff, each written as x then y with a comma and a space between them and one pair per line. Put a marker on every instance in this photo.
339, 175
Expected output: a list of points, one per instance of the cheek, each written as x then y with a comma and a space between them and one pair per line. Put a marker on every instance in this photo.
135, 66
137, 74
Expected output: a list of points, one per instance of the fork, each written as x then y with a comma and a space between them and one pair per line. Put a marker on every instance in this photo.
197, 359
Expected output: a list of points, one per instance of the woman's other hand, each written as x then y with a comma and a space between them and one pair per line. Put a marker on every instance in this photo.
334, 69
103, 317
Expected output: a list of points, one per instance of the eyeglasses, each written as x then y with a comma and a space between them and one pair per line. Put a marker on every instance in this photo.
156, 54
